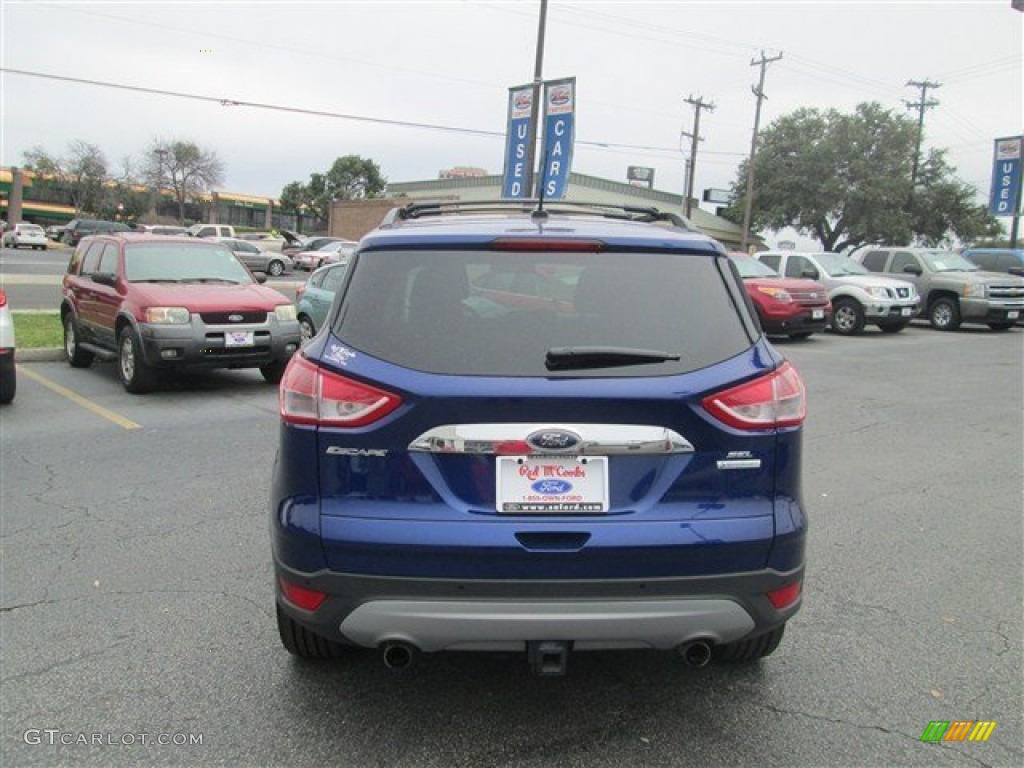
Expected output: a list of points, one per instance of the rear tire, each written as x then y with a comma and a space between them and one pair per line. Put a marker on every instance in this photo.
944, 314
892, 327
750, 649
77, 357
137, 376
847, 317
8, 383
272, 372
299, 641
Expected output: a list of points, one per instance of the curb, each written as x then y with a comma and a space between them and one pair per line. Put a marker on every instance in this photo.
39, 355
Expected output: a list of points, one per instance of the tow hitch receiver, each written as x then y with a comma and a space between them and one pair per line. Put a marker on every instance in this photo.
548, 658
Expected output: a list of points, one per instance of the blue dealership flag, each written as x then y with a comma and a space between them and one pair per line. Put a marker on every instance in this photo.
559, 132
516, 175
1004, 198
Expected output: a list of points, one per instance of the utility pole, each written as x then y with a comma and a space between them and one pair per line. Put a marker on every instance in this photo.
920, 106
536, 111
758, 90
698, 104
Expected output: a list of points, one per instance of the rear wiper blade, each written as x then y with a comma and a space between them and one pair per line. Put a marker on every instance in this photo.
568, 358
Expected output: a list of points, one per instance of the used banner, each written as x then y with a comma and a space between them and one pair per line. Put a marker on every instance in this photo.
520, 109
1006, 173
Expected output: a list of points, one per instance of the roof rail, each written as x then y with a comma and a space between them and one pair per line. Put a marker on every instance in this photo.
532, 206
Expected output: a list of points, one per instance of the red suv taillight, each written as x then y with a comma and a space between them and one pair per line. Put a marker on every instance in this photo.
775, 400
311, 395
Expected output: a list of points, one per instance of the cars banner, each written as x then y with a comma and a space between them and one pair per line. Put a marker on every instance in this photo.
559, 131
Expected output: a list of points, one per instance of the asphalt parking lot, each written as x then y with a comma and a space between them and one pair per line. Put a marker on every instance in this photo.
137, 605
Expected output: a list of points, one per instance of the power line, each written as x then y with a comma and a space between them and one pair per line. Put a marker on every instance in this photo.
229, 102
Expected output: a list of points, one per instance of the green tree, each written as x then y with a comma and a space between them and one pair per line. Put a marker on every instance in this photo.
81, 174
350, 178
184, 168
845, 180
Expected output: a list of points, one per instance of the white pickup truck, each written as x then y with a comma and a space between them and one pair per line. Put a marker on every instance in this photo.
211, 230
858, 297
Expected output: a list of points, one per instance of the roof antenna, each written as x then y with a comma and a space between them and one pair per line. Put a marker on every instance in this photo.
539, 212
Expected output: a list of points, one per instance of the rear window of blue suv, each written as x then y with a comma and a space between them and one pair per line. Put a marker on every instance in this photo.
548, 433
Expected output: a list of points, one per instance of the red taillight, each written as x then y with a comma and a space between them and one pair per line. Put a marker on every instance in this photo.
3, 299
542, 244
775, 400
311, 395
301, 597
783, 597
299, 293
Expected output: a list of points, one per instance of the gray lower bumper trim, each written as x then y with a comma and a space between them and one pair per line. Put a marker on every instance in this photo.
434, 625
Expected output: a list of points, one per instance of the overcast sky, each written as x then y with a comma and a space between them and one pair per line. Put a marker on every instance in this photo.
450, 64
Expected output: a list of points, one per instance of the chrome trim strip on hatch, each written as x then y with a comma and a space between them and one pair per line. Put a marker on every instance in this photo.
581, 439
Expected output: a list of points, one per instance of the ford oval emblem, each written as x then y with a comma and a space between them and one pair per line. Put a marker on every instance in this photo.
553, 440
235, 318
551, 487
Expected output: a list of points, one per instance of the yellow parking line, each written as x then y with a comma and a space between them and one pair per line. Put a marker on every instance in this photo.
99, 410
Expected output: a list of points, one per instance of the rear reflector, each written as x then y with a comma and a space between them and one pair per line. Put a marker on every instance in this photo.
300, 597
311, 395
783, 597
775, 400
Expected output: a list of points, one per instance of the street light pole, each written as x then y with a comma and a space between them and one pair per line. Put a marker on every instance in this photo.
535, 111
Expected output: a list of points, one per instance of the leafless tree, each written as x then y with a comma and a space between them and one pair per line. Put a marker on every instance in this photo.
82, 173
184, 168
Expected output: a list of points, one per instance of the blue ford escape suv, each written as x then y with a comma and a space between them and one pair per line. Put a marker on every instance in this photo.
540, 429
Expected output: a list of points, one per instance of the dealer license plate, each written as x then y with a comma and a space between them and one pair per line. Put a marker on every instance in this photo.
817, 314
552, 485
907, 311
238, 339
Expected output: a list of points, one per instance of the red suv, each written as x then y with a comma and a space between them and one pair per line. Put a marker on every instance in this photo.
786, 306
156, 303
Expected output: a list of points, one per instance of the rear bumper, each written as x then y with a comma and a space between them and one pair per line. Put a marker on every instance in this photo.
436, 615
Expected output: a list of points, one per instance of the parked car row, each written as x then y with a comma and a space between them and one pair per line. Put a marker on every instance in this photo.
953, 289
857, 297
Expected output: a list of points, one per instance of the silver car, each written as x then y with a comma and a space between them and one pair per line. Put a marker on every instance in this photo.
258, 260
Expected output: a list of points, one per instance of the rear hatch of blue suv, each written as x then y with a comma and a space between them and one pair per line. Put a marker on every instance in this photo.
549, 431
